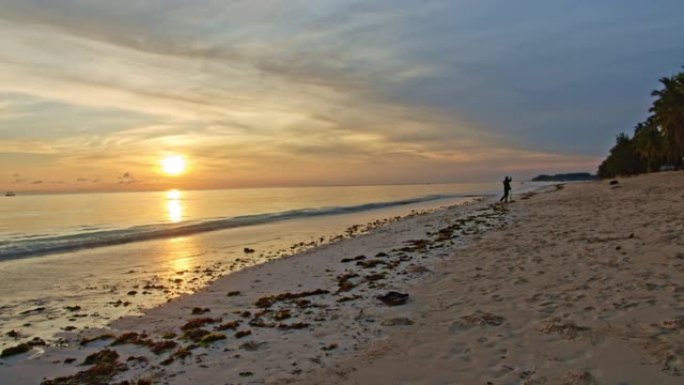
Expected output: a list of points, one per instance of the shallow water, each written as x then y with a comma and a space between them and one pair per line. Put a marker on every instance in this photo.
43, 215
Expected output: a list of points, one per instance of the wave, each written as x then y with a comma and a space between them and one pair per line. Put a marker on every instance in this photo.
65, 243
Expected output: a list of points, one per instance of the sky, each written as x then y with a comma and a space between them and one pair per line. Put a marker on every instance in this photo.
95, 93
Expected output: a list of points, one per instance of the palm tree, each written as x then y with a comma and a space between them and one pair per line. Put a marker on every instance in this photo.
668, 114
658, 140
648, 144
622, 160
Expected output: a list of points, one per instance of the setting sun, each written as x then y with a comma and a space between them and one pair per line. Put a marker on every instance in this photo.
173, 165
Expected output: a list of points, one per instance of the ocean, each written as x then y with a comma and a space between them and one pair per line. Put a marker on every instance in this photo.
75, 261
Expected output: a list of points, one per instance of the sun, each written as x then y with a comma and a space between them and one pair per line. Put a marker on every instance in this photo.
173, 165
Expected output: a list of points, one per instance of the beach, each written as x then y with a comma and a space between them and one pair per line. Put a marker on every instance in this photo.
579, 284
195, 237
585, 287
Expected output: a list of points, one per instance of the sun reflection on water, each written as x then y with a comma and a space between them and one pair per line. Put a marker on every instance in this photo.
173, 194
175, 211
174, 207
179, 254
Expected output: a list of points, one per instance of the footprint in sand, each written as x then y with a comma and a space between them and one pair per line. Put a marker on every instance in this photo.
462, 351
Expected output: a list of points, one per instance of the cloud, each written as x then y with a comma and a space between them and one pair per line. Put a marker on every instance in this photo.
95, 86
127, 178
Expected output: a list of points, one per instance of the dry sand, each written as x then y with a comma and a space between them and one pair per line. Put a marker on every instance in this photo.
586, 287
583, 285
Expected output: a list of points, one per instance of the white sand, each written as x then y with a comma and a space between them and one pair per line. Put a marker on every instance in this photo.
560, 293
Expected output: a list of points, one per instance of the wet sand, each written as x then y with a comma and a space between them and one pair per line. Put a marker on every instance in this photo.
92, 287
582, 285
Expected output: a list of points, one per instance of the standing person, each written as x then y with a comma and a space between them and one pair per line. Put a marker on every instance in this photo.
507, 189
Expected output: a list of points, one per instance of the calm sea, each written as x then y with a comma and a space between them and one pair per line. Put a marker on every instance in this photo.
43, 224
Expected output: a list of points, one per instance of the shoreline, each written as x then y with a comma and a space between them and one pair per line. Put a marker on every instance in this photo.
123, 280
164, 319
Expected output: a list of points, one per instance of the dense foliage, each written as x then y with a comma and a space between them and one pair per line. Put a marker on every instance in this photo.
658, 142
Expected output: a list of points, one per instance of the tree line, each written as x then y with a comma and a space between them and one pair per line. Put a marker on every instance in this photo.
658, 142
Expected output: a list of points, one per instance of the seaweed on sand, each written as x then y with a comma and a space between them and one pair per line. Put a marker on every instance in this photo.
105, 366
268, 301
199, 322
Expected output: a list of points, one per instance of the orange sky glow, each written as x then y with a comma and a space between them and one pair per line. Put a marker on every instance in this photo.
94, 97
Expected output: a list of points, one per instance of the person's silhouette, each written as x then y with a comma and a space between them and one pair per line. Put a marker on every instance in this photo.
507, 189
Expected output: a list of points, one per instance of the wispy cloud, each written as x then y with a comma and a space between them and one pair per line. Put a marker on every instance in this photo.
387, 91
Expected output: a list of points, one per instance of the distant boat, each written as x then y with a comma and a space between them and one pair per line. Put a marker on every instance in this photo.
10, 194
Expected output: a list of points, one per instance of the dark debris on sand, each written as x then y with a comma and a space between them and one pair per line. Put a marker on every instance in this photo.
22, 347
105, 365
277, 311
393, 298
268, 301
